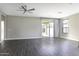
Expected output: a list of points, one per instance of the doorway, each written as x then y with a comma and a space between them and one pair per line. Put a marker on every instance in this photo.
47, 28
2, 27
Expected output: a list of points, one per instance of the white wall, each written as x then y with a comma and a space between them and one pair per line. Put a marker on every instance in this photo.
23, 27
0, 26
74, 27
57, 28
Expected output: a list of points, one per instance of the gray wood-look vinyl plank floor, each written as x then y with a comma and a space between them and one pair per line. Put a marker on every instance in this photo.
39, 47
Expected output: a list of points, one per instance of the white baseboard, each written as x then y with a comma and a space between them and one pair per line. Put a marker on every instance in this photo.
22, 38
69, 38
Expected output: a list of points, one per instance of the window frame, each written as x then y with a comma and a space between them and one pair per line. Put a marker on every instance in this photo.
67, 27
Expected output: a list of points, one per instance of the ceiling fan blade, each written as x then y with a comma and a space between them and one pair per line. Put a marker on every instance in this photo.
31, 9
23, 7
24, 12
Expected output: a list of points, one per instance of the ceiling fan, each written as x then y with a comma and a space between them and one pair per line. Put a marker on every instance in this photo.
24, 9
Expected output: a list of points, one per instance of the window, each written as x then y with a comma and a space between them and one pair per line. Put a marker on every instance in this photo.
65, 26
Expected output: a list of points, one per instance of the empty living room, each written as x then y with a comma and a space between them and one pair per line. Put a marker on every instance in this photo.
39, 29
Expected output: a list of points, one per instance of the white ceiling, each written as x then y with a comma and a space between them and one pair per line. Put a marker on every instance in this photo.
52, 10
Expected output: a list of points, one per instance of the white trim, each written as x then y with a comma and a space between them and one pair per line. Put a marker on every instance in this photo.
72, 39
1, 13
22, 38
2, 30
68, 38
